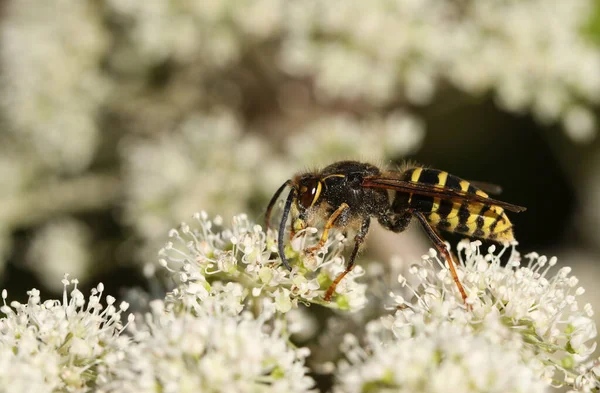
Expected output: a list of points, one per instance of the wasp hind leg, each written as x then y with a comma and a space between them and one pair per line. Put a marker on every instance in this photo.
441, 247
358, 241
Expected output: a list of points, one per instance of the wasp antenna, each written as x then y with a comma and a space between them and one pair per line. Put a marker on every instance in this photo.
272, 202
284, 217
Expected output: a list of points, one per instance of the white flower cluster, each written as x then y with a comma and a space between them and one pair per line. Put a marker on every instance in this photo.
50, 346
78, 346
531, 53
226, 328
524, 309
61, 246
330, 138
51, 86
245, 253
215, 351
542, 307
168, 176
211, 33
446, 360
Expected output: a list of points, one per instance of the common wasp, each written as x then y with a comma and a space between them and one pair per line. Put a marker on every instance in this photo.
347, 194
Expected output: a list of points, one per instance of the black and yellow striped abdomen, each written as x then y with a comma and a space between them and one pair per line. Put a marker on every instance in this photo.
473, 219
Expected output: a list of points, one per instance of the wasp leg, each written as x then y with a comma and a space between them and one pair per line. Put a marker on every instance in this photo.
358, 240
441, 247
328, 226
297, 225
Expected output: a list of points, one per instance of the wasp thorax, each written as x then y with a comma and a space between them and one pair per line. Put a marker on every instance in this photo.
354, 180
309, 192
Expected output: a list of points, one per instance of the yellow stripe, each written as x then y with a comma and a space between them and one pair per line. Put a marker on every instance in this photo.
472, 227
481, 194
434, 217
416, 174
334, 175
453, 221
454, 212
497, 209
502, 230
464, 185
317, 193
415, 179
502, 225
442, 177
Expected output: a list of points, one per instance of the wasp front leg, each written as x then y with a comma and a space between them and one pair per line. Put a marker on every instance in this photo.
358, 241
328, 225
298, 224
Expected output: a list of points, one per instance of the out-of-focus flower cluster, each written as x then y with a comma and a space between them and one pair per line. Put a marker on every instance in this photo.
530, 54
59, 247
51, 86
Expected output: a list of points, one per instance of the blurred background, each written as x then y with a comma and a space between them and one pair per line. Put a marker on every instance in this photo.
121, 118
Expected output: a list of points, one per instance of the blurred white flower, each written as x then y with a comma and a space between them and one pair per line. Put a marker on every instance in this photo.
207, 161
244, 253
22, 372
59, 344
531, 54
580, 123
216, 352
211, 33
447, 360
59, 247
302, 324
540, 306
378, 139
51, 86
16, 169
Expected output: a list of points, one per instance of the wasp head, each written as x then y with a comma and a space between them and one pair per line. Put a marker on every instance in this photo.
309, 191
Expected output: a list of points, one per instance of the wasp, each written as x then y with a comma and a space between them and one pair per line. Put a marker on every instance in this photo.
348, 194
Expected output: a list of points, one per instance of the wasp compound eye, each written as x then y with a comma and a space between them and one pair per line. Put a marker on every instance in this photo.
309, 192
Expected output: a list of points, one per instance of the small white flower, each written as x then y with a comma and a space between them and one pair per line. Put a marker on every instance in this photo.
444, 360
244, 254
217, 352
525, 297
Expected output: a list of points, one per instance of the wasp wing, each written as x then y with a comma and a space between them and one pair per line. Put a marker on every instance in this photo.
435, 191
490, 188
